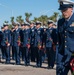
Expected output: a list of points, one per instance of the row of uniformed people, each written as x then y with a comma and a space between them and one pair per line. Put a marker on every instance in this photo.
29, 39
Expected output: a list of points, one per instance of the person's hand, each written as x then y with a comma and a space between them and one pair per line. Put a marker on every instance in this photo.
28, 46
39, 47
19, 43
43, 46
8, 44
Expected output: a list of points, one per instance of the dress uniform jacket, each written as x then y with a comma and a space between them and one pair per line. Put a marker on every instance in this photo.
25, 37
3, 39
49, 40
21, 36
38, 37
12, 38
66, 40
7, 34
0, 38
16, 37
32, 32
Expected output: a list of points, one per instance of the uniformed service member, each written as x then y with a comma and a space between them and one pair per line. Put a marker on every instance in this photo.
1, 42
66, 38
16, 43
7, 42
12, 36
32, 32
48, 44
21, 35
38, 43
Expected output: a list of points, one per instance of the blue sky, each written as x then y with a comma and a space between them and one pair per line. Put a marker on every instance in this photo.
15, 8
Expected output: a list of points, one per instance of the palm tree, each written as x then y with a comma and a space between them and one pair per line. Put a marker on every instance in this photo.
6, 21
35, 19
54, 16
28, 15
19, 19
9, 25
12, 20
44, 19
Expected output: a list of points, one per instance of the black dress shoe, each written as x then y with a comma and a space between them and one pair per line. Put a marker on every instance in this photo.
48, 67
51, 67
17, 63
7, 62
38, 66
26, 64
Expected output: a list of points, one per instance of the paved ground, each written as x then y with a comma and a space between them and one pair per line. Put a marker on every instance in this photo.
23, 70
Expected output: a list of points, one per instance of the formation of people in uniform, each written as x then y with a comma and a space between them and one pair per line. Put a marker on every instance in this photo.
29, 42
33, 43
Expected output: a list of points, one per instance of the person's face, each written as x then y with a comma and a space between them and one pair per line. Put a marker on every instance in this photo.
12, 29
6, 27
2, 29
31, 25
54, 26
67, 13
50, 25
38, 26
26, 27
23, 27
16, 27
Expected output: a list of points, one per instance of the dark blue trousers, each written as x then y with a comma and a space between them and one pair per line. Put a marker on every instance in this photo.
32, 53
38, 55
17, 54
3, 52
62, 69
26, 55
13, 53
50, 56
7, 54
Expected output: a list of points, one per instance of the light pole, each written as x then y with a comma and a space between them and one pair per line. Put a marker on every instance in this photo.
46, 11
6, 8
